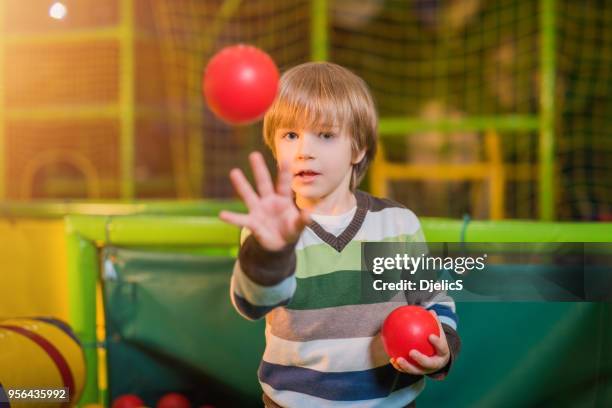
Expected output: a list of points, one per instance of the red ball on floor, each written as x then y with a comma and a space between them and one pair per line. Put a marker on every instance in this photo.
128, 401
173, 400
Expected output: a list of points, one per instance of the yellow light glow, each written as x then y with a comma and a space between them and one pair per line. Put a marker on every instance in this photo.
58, 11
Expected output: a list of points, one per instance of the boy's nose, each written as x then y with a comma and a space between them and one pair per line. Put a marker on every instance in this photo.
304, 155
305, 148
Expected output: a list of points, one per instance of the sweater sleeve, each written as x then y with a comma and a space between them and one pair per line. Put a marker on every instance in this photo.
444, 306
261, 280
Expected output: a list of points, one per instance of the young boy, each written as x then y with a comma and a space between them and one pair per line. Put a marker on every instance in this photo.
299, 263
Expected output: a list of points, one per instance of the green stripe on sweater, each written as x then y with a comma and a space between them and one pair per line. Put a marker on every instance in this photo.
322, 259
340, 288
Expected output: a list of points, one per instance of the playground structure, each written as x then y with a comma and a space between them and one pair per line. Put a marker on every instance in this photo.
202, 235
96, 112
113, 112
114, 261
134, 95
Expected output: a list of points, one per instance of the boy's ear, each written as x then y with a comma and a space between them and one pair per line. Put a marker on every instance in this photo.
359, 157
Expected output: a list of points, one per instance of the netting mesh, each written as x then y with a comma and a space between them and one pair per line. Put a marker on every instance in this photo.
40, 152
476, 57
77, 74
32, 16
584, 110
193, 31
50, 150
427, 60
437, 60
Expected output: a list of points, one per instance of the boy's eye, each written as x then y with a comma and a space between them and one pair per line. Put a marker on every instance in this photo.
291, 135
326, 135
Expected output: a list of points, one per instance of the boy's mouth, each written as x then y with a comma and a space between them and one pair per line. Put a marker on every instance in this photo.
306, 175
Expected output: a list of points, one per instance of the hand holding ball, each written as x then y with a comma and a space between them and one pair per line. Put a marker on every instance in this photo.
240, 84
407, 328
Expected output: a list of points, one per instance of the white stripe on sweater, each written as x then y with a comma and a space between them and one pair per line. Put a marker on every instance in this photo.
328, 355
377, 226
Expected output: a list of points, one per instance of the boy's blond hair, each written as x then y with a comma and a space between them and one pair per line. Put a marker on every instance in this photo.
319, 96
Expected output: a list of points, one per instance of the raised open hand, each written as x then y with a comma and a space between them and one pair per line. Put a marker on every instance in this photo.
273, 217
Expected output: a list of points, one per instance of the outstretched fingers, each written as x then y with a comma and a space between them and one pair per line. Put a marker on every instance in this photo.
243, 188
263, 180
240, 220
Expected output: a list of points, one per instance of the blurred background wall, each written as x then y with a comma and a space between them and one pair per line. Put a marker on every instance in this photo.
102, 99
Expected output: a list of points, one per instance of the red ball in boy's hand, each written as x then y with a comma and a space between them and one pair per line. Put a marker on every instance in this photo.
407, 328
173, 400
128, 401
240, 83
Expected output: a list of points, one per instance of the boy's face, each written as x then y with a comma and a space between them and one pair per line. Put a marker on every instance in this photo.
320, 160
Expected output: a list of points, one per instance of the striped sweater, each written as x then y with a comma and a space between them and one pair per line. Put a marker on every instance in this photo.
323, 345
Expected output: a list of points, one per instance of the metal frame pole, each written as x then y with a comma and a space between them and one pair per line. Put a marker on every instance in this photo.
547, 110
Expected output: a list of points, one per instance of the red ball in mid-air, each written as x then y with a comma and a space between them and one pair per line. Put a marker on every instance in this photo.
240, 83
173, 400
128, 401
407, 328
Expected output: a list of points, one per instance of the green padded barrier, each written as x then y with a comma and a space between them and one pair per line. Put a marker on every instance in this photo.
171, 327
529, 355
